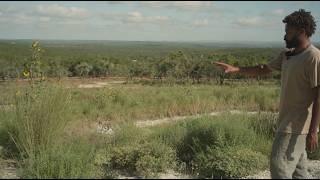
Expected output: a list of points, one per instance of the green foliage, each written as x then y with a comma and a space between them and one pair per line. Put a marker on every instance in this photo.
264, 125
227, 146
41, 112
145, 159
229, 162
55, 69
101, 68
61, 160
9, 148
34, 128
177, 61
207, 132
82, 69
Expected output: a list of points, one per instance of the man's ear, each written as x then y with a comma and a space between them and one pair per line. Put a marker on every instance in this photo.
302, 32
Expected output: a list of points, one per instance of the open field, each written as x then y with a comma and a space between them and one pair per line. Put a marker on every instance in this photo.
217, 127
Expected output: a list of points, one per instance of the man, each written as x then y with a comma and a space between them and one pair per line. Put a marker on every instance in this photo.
299, 100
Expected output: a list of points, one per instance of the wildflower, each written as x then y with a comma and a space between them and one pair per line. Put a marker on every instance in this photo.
26, 73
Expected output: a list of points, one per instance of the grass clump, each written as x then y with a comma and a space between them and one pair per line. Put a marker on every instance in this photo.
229, 162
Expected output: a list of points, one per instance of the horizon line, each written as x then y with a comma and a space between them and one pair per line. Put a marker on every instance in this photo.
173, 41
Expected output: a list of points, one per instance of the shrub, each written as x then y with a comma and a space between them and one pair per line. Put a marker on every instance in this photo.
147, 159
82, 69
205, 132
229, 162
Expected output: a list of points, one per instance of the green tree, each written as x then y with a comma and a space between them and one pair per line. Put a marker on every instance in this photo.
82, 69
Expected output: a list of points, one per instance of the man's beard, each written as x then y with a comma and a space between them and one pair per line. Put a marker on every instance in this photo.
293, 43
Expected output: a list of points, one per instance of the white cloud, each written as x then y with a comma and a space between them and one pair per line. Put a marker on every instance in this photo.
154, 4
20, 19
278, 12
42, 14
251, 21
135, 17
8, 9
44, 19
182, 5
192, 4
257, 21
55, 10
200, 23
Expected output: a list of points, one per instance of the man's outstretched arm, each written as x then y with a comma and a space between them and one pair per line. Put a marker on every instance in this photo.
250, 71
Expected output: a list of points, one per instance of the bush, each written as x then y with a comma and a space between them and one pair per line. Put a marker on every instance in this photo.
147, 159
205, 132
229, 162
82, 69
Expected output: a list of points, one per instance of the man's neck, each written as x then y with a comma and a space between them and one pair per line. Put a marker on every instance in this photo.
304, 45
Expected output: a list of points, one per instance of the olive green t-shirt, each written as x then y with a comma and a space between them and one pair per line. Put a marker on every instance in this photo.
300, 74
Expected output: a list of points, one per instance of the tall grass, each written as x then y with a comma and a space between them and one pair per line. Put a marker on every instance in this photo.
41, 113
129, 102
36, 128
135, 102
66, 160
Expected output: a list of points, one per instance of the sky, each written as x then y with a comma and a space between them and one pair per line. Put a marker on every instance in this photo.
223, 21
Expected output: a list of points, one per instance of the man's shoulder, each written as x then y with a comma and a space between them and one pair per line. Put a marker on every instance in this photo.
314, 51
312, 55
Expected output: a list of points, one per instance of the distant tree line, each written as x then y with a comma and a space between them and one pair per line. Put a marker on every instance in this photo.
178, 65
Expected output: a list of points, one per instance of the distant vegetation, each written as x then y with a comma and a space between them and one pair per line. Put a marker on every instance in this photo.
155, 60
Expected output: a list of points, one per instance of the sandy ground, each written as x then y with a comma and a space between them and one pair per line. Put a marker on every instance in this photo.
97, 84
107, 129
8, 171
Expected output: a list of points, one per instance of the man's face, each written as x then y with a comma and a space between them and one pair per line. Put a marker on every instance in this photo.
292, 37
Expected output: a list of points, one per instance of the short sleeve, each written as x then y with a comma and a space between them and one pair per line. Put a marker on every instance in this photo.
276, 63
313, 71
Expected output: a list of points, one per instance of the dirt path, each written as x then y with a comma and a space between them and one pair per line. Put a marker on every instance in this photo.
146, 123
8, 169
107, 129
98, 84
313, 169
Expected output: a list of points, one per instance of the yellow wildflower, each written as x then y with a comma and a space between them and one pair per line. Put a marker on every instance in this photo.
26, 73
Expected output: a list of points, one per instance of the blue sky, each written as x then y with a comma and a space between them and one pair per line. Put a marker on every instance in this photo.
150, 20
